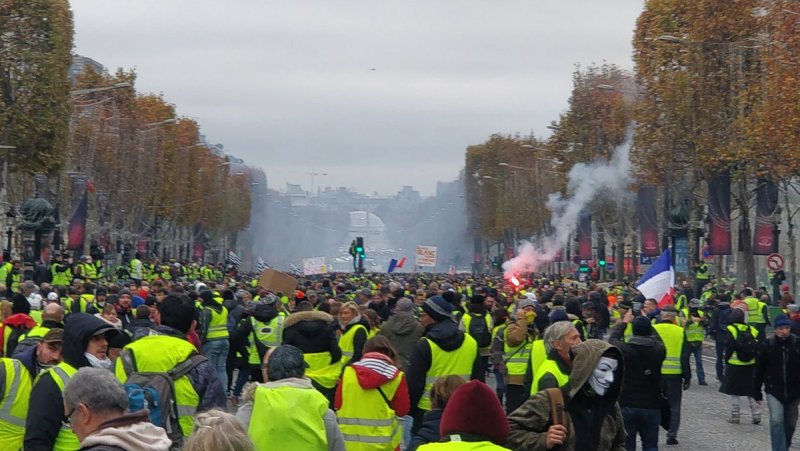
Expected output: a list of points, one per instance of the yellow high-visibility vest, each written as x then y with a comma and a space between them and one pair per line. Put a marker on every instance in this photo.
347, 342
365, 419
66, 440
735, 330
218, 326
445, 363
549, 366
673, 338
160, 354
14, 407
300, 427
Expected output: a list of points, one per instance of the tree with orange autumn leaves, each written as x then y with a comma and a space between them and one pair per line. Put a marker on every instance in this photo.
719, 95
153, 166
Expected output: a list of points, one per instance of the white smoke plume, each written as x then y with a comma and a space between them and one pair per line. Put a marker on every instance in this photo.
586, 181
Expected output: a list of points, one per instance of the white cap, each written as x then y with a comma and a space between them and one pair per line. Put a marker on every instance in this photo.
52, 296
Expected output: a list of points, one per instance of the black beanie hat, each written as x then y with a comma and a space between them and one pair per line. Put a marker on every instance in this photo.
20, 304
641, 326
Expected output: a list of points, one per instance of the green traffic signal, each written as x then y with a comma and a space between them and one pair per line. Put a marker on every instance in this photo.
601, 263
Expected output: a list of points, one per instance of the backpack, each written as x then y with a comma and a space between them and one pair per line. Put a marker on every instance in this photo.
479, 330
156, 392
746, 346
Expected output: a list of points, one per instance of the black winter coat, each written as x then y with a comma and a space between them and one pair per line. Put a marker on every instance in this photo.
46, 410
641, 381
429, 431
778, 368
312, 332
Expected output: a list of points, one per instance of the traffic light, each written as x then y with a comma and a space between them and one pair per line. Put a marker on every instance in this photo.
601, 262
584, 267
353, 248
360, 247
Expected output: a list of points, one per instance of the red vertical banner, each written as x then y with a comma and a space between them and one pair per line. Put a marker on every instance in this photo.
719, 215
648, 221
585, 237
764, 237
76, 233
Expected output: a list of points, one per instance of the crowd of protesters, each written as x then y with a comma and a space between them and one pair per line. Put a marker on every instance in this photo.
160, 356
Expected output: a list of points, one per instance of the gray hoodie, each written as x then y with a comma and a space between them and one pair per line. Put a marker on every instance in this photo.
131, 431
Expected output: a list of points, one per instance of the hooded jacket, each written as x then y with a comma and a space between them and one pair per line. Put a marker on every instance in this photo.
373, 371
312, 332
242, 334
129, 431
777, 368
444, 334
46, 411
403, 331
529, 423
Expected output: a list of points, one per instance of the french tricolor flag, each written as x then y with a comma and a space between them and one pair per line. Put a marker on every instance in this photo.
659, 281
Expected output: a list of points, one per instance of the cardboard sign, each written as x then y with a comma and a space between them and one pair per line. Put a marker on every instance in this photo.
277, 281
314, 265
426, 255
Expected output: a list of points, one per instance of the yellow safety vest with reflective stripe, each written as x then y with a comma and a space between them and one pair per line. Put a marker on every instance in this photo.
445, 363
218, 326
549, 366
673, 338
289, 419
268, 334
462, 446
702, 272
755, 311
694, 331
136, 269
538, 356
321, 370
160, 354
347, 345
365, 419
61, 374
38, 331
88, 271
735, 330
14, 407
516, 358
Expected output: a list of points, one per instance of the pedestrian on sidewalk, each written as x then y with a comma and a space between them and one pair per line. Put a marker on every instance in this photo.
777, 370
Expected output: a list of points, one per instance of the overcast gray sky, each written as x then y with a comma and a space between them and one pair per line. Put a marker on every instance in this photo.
289, 87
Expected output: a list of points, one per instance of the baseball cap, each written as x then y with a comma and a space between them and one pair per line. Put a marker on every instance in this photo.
54, 335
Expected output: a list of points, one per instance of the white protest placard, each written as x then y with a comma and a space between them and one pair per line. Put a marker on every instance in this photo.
314, 265
426, 255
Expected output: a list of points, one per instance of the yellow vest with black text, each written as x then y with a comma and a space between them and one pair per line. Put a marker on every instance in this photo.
61, 374
672, 336
347, 343
445, 363
159, 354
288, 419
462, 446
268, 334
516, 357
735, 330
755, 311
321, 370
14, 407
218, 326
549, 366
365, 419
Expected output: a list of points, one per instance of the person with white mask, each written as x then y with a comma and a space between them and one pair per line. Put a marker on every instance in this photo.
592, 420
